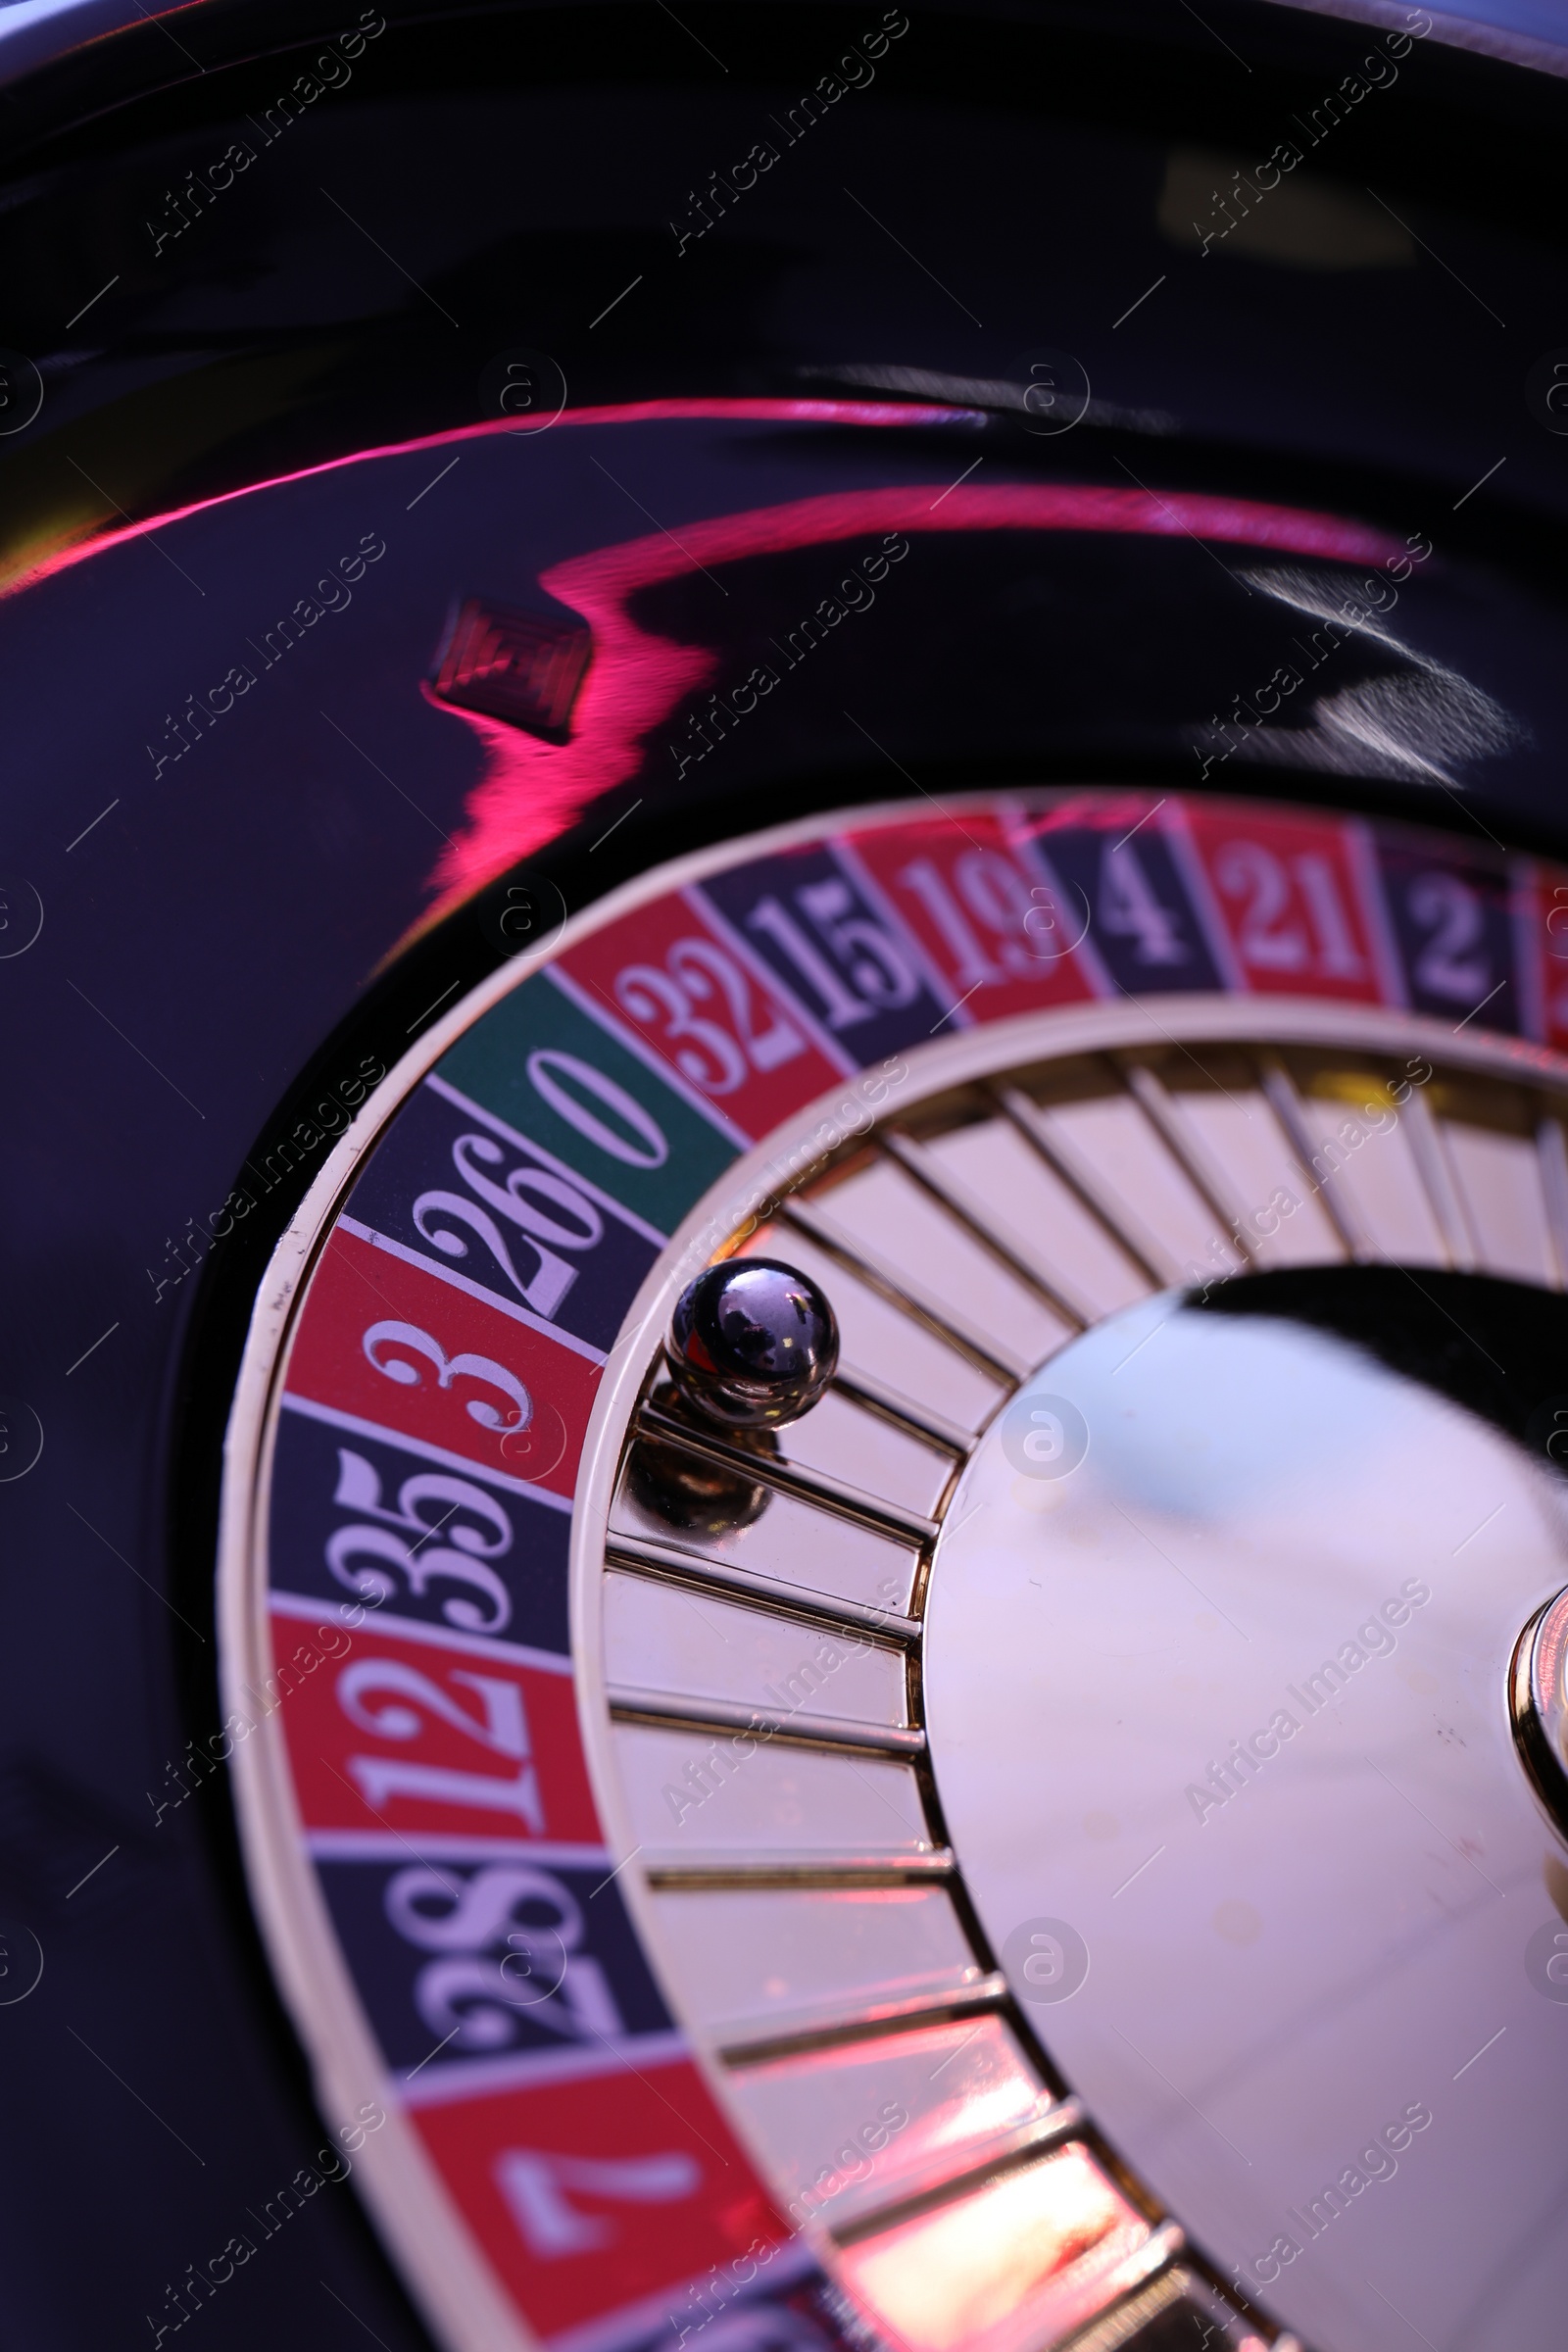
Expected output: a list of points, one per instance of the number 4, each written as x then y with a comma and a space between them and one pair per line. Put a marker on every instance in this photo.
535, 2186
1129, 910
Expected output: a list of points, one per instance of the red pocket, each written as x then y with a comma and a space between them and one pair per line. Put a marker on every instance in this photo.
590, 2194
993, 928
391, 1343
1291, 894
665, 972
394, 1733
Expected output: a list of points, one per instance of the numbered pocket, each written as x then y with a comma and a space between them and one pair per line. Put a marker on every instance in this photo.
480, 1959
401, 1735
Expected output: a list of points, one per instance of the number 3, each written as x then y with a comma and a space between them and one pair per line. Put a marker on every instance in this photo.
483, 1368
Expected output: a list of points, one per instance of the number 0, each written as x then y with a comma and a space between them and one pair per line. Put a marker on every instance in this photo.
543, 1066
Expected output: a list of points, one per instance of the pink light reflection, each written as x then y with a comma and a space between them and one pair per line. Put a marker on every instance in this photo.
947, 2090
642, 411
533, 791
1026, 2259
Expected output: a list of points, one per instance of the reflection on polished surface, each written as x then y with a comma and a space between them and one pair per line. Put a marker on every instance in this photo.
751, 1344
1539, 1698
790, 1542
761, 1962
1228, 1700
1026, 2258
1051, 2074
879, 2121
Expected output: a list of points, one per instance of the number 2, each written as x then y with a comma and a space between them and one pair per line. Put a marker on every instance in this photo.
1451, 911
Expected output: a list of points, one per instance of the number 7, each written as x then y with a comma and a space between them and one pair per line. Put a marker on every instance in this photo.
536, 2184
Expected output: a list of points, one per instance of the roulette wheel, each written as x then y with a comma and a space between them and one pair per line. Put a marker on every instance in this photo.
785, 1380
